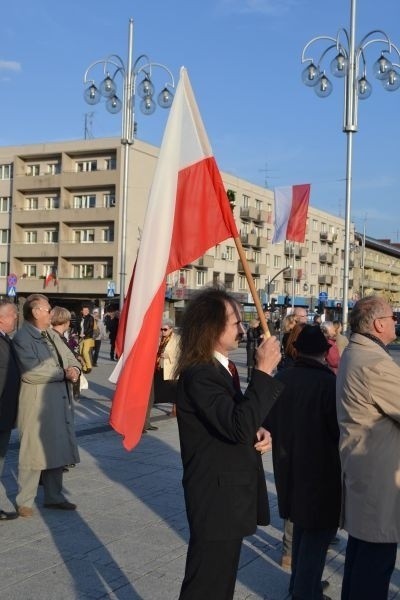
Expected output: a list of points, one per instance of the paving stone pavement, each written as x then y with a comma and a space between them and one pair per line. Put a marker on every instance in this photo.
127, 540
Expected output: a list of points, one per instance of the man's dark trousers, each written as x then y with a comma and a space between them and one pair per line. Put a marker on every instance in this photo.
368, 568
211, 565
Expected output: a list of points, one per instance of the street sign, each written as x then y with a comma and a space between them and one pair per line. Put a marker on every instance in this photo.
12, 280
110, 289
323, 296
11, 291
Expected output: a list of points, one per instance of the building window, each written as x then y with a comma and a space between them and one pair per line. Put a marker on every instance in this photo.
85, 166
30, 270
109, 200
110, 163
53, 168
259, 204
228, 281
83, 236
314, 247
3, 269
242, 283
6, 171
31, 203
5, 204
4, 236
200, 278
51, 237
277, 261
84, 201
83, 271
33, 170
108, 234
315, 225
31, 237
245, 201
323, 227
313, 268
52, 202
229, 253
106, 271
267, 260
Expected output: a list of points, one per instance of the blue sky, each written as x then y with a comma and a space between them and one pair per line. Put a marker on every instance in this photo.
244, 61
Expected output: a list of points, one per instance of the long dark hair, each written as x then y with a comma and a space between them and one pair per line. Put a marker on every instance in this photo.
203, 322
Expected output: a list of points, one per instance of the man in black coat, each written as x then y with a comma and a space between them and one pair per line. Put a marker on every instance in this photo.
221, 442
9, 385
305, 440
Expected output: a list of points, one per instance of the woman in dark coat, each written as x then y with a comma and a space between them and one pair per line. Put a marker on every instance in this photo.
305, 434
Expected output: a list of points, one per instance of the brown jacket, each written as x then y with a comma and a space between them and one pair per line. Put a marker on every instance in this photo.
368, 408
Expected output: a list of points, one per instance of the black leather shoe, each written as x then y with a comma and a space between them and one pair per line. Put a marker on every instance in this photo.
62, 505
8, 516
152, 428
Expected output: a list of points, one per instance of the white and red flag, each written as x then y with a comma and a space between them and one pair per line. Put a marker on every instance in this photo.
188, 212
291, 207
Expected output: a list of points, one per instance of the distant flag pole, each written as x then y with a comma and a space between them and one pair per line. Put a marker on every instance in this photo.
291, 208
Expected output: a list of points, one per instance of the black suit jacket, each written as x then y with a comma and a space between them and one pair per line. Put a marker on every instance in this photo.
223, 476
9, 384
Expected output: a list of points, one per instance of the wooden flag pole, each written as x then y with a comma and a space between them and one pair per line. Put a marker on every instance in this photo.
256, 298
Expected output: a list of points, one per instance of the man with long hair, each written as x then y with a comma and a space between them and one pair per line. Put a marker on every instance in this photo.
221, 442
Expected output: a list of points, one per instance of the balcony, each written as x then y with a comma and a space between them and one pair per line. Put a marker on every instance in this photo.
87, 249
250, 213
205, 262
262, 216
262, 242
23, 250
251, 263
325, 279
295, 274
260, 269
249, 239
40, 216
35, 285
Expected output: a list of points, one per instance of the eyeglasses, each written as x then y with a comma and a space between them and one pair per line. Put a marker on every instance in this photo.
393, 317
164, 329
48, 310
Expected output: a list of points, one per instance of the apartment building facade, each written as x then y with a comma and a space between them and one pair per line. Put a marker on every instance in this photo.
60, 232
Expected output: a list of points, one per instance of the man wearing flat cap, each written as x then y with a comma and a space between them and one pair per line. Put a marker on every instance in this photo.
305, 437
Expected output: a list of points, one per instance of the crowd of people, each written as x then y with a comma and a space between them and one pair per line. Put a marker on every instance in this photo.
324, 403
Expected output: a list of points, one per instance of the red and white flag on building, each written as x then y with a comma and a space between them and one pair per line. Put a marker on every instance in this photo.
188, 212
291, 207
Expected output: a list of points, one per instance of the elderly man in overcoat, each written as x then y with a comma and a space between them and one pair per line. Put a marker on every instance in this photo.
45, 416
368, 407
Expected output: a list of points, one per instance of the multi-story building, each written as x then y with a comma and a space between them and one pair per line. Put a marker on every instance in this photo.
377, 269
60, 231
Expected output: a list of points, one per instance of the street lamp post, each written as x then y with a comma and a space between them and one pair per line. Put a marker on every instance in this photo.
113, 66
350, 63
270, 281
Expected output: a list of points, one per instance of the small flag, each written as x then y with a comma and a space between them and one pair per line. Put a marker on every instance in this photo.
291, 207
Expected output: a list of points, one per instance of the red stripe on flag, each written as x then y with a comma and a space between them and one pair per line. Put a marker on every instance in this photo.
296, 229
203, 216
131, 397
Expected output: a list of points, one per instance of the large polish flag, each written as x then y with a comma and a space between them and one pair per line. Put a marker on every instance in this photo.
188, 212
291, 207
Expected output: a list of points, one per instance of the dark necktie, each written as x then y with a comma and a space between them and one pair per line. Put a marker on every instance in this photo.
235, 375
